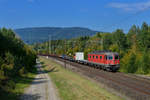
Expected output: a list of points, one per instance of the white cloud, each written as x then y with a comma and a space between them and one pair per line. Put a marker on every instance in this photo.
140, 6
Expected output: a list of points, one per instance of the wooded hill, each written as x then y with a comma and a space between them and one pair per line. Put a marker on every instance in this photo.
41, 34
133, 47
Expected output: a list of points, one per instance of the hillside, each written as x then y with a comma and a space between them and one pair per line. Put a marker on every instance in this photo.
40, 34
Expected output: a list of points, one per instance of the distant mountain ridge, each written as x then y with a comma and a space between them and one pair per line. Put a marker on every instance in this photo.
41, 34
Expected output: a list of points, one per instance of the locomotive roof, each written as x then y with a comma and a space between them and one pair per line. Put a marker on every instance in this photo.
104, 52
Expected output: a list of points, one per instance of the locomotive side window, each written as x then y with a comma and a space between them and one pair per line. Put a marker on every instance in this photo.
100, 57
96, 57
93, 57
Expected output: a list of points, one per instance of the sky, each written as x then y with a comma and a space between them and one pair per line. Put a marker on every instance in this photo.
100, 15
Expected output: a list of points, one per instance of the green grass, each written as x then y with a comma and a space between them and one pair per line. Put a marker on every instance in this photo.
72, 86
20, 84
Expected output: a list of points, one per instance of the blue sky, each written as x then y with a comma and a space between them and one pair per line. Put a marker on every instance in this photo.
101, 15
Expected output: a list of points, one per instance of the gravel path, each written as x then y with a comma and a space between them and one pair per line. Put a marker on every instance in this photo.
41, 88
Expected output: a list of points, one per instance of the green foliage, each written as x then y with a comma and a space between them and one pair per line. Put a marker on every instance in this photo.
16, 58
131, 36
144, 37
128, 63
119, 38
144, 64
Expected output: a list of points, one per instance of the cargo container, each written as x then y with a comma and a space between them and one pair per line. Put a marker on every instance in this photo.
79, 56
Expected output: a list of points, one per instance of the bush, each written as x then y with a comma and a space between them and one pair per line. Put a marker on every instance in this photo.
128, 63
144, 64
16, 58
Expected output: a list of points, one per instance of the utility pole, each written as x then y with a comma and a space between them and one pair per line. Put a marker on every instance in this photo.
65, 52
49, 46
102, 43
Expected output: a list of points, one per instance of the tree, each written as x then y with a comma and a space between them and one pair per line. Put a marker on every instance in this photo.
131, 36
144, 37
119, 38
107, 40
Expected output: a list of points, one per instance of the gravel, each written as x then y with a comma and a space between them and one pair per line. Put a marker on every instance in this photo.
41, 88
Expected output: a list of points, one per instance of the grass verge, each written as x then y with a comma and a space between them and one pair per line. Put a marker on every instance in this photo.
20, 83
72, 86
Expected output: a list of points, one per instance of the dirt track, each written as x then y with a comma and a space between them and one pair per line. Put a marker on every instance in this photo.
41, 88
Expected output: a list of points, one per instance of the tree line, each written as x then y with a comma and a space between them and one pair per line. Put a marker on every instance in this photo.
16, 59
133, 47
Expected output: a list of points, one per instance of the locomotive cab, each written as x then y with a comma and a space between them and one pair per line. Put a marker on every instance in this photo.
112, 61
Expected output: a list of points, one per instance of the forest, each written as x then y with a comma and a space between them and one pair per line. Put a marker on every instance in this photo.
40, 34
133, 47
16, 60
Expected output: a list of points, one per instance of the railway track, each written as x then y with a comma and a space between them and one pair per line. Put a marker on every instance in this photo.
134, 87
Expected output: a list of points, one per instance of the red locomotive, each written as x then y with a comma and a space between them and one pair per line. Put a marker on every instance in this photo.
105, 59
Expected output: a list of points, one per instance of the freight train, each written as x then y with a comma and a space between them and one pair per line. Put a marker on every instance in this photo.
105, 60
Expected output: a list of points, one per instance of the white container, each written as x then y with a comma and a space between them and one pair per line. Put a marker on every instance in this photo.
79, 56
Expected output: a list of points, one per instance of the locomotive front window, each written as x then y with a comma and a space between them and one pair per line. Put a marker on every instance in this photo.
116, 57
93, 56
110, 57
